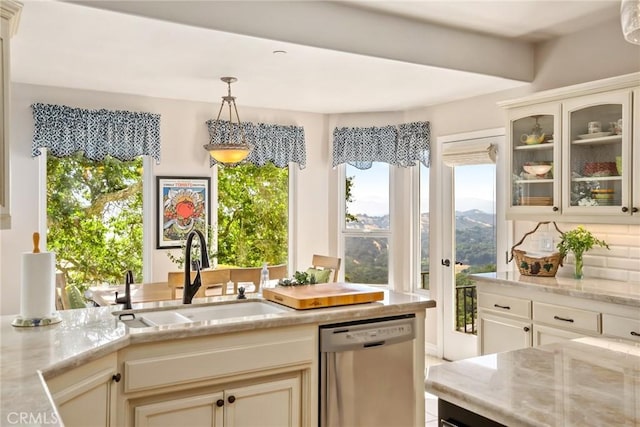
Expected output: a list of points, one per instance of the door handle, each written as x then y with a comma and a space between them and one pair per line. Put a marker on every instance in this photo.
445, 262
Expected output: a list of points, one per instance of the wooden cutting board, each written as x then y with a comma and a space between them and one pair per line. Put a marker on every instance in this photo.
322, 295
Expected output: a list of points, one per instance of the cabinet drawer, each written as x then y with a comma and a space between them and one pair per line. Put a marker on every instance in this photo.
566, 317
621, 327
517, 307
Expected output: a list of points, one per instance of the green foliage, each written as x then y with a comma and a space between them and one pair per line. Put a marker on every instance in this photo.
578, 241
94, 218
195, 249
253, 208
348, 195
299, 278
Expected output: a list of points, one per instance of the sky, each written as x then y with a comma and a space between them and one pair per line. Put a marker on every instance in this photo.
475, 187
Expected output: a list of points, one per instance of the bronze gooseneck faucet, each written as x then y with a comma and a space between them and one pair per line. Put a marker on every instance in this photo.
190, 289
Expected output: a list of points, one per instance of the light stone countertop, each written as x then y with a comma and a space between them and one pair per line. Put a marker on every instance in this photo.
611, 291
584, 382
30, 355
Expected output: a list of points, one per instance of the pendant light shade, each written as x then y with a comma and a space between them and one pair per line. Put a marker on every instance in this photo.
232, 146
630, 20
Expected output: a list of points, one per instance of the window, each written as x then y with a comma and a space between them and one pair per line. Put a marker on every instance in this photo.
253, 206
94, 218
367, 229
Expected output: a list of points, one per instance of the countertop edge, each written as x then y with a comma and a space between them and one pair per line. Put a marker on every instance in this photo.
601, 296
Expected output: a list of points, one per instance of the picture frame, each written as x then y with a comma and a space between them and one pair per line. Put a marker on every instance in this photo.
182, 205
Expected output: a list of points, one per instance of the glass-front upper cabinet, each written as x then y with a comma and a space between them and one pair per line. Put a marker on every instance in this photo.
597, 154
534, 158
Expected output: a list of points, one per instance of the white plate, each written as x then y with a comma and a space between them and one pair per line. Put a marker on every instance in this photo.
594, 135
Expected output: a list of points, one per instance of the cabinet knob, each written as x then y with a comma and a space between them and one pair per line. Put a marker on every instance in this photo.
555, 209
231, 399
625, 209
117, 377
526, 329
220, 402
634, 210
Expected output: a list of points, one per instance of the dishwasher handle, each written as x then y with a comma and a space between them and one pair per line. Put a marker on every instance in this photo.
360, 336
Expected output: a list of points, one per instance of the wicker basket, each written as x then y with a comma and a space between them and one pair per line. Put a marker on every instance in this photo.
536, 266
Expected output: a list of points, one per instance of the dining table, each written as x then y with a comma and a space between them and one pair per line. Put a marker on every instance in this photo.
140, 292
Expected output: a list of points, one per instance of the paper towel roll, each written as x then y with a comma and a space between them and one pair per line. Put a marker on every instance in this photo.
38, 285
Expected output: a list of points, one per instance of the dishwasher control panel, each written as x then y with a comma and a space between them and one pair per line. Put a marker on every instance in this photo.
362, 335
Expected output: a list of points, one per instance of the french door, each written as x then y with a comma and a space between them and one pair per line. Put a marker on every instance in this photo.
470, 215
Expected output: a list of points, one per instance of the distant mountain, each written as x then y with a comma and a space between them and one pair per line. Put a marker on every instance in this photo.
475, 243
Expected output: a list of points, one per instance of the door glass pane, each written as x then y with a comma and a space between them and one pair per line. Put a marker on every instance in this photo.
367, 260
475, 236
532, 167
424, 227
367, 198
595, 156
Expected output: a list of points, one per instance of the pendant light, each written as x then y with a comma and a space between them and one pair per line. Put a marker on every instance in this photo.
234, 148
630, 20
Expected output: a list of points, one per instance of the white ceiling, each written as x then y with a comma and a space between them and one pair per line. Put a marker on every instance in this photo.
325, 69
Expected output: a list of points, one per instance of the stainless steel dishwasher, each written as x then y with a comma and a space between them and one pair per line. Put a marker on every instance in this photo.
366, 373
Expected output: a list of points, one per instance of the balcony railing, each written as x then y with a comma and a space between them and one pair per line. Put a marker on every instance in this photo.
466, 309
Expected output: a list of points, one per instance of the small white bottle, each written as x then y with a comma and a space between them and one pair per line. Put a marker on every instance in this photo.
264, 276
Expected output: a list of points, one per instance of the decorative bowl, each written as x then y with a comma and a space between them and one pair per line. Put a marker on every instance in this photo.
537, 169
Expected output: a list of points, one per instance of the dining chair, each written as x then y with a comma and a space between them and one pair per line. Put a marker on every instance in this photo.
62, 298
276, 272
209, 278
327, 262
242, 275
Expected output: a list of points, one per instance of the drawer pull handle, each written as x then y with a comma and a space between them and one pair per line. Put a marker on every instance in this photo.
563, 319
635, 334
504, 307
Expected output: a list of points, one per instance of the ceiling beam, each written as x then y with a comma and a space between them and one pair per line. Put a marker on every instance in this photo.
340, 27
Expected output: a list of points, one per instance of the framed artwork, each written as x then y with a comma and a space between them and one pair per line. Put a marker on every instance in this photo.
183, 205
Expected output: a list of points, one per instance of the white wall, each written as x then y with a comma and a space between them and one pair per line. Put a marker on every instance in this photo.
183, 132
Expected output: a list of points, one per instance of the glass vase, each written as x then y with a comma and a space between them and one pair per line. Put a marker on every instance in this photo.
578, 274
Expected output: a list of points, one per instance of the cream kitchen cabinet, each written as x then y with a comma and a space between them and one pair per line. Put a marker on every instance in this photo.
270, 403
86, 396
532, 193
262, 377
9, 17
560, 170
504, 323
512, 317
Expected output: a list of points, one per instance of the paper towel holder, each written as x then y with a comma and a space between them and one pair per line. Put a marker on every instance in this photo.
51, 318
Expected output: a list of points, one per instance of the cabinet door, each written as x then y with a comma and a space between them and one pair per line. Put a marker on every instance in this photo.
545, 335
498, 334
85, 397
195, 411
534, 159
275, 403
597, 157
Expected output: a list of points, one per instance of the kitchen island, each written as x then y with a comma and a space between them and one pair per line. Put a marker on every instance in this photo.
34, 358
583, 382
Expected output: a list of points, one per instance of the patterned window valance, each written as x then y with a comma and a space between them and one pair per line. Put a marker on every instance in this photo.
278, 144
403, 145
123, 135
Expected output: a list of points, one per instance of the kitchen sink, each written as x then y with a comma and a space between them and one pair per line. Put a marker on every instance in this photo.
143, 319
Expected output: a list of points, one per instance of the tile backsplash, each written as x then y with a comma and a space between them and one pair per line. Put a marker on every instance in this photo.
620, 262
